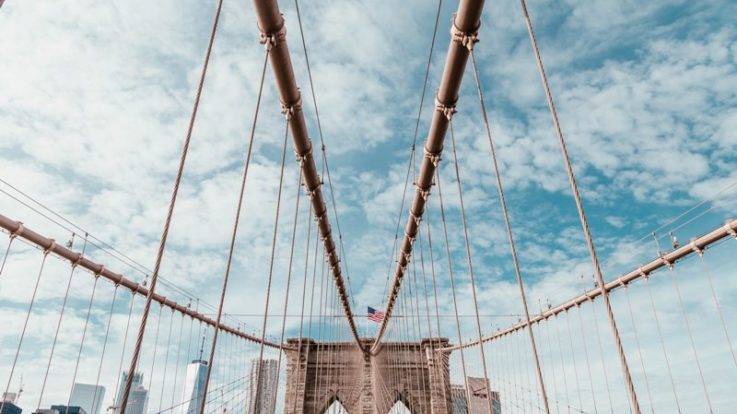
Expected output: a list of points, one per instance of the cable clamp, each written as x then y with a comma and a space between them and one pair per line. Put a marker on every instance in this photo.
466, 39
99, 271
18, 231
434, 157
447, 110
642, 272
288, 110
270, 40
666, 262
418, 219
50, 248
731, 230
302, 158
78, 260
423, 192
696, 249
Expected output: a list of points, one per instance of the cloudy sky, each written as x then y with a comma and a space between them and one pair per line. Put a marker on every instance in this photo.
95, 98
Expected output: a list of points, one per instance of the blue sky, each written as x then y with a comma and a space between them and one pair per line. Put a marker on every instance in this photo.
95, 98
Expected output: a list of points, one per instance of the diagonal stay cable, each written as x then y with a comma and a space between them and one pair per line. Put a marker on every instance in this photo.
322, 148
631, 391
170, 213
257, 397
236, 222
508, 227
410, 162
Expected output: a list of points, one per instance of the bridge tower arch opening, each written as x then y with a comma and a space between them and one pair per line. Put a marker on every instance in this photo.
319, 375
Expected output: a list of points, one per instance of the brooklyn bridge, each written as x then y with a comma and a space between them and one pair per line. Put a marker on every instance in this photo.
86, 328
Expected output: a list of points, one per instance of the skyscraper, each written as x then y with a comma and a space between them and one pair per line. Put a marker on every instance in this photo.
194, 383
138, 398
267, 389
87, 396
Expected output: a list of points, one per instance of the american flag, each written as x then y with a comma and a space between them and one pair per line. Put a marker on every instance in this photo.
375, 315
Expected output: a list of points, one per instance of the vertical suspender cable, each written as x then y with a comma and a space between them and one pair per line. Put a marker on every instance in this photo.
167, 224
236, 222
289, 281
58, 325
452, 283
510, 237
257, 395
470, 265
25, 325
632, 393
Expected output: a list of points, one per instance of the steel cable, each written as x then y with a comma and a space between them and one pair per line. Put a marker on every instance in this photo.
170, 213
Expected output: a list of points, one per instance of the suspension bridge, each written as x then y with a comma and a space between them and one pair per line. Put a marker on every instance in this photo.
654, 336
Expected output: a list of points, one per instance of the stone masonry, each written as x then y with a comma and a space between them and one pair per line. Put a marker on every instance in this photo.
318, 374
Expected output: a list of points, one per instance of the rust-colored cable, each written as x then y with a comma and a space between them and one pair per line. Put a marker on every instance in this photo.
170, 213
236, 222
271, 268
508, 227
632, 393
472, 278
289, 280
452, 282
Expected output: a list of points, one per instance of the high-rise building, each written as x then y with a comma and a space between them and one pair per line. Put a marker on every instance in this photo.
138, 397
479, 392
63, 409
194, 383
9, 401
8, 407
87, 396
267, 389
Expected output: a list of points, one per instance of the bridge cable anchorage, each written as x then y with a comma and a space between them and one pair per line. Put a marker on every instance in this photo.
236, 220
467, 19
469, 260
170, 213
508, 228
271, 268
270, 20
632, 393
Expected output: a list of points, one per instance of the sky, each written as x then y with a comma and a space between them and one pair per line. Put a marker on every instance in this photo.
95, 98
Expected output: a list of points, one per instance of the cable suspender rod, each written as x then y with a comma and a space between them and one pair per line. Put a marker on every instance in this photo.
273, 32
464, 33
697, 246
17, 229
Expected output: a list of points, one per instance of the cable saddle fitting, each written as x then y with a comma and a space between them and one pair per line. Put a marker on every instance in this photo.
466, 39
433, 157
447, 110
270, 40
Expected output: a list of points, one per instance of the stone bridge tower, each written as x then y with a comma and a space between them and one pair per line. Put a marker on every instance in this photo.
318, 374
